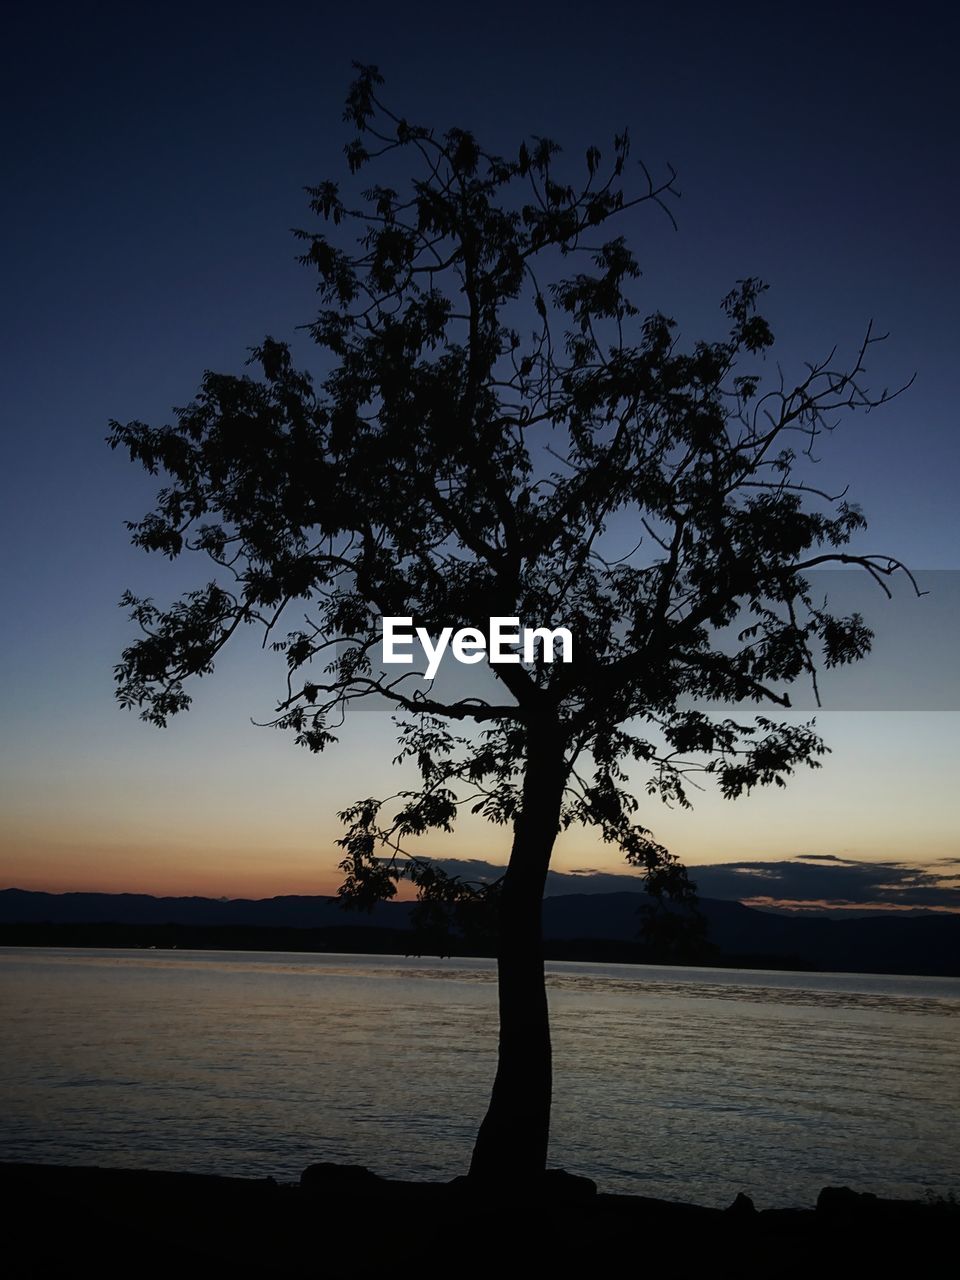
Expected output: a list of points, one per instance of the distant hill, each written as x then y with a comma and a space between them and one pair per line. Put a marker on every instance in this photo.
21, 906
602, 926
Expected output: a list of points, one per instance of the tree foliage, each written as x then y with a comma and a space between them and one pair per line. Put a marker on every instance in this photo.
497, 430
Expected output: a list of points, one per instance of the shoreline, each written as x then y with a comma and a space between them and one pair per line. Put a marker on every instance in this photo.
348, 1221
573, 954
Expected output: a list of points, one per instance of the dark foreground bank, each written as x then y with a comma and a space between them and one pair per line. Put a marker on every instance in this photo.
345, 1221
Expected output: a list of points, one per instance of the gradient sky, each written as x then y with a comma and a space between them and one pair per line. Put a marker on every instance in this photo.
154, 159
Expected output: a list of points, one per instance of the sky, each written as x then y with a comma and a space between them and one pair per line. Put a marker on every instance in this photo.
154, 159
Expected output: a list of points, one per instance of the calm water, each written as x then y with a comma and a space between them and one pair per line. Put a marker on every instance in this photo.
683, 1083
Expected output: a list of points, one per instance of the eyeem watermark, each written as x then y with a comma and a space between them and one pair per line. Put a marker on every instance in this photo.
469, 645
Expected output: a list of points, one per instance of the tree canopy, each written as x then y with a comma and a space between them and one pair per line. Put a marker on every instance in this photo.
497, 430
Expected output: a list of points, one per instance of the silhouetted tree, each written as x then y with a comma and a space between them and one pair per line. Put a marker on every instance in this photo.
493, 422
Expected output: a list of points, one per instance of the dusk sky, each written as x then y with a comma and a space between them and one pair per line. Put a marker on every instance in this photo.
154, 161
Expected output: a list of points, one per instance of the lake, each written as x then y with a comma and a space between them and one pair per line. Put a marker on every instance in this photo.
690, 1084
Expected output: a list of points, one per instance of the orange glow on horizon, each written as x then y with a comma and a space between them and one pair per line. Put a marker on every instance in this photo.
799, 906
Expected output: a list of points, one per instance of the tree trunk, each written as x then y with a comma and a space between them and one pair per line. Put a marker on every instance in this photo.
511, 1145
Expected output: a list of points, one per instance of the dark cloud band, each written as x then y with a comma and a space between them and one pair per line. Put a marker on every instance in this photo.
817, 880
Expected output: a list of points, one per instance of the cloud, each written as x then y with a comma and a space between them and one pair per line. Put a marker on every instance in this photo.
829, 881
807, 881
827, 857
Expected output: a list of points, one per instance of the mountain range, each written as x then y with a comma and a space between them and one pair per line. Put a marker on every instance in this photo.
602, 926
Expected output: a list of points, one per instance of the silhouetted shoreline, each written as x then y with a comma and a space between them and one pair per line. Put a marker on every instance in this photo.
602, 928
940, 961
347, 1221
357, 940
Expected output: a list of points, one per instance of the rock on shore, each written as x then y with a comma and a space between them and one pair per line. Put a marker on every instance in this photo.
344, 1221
